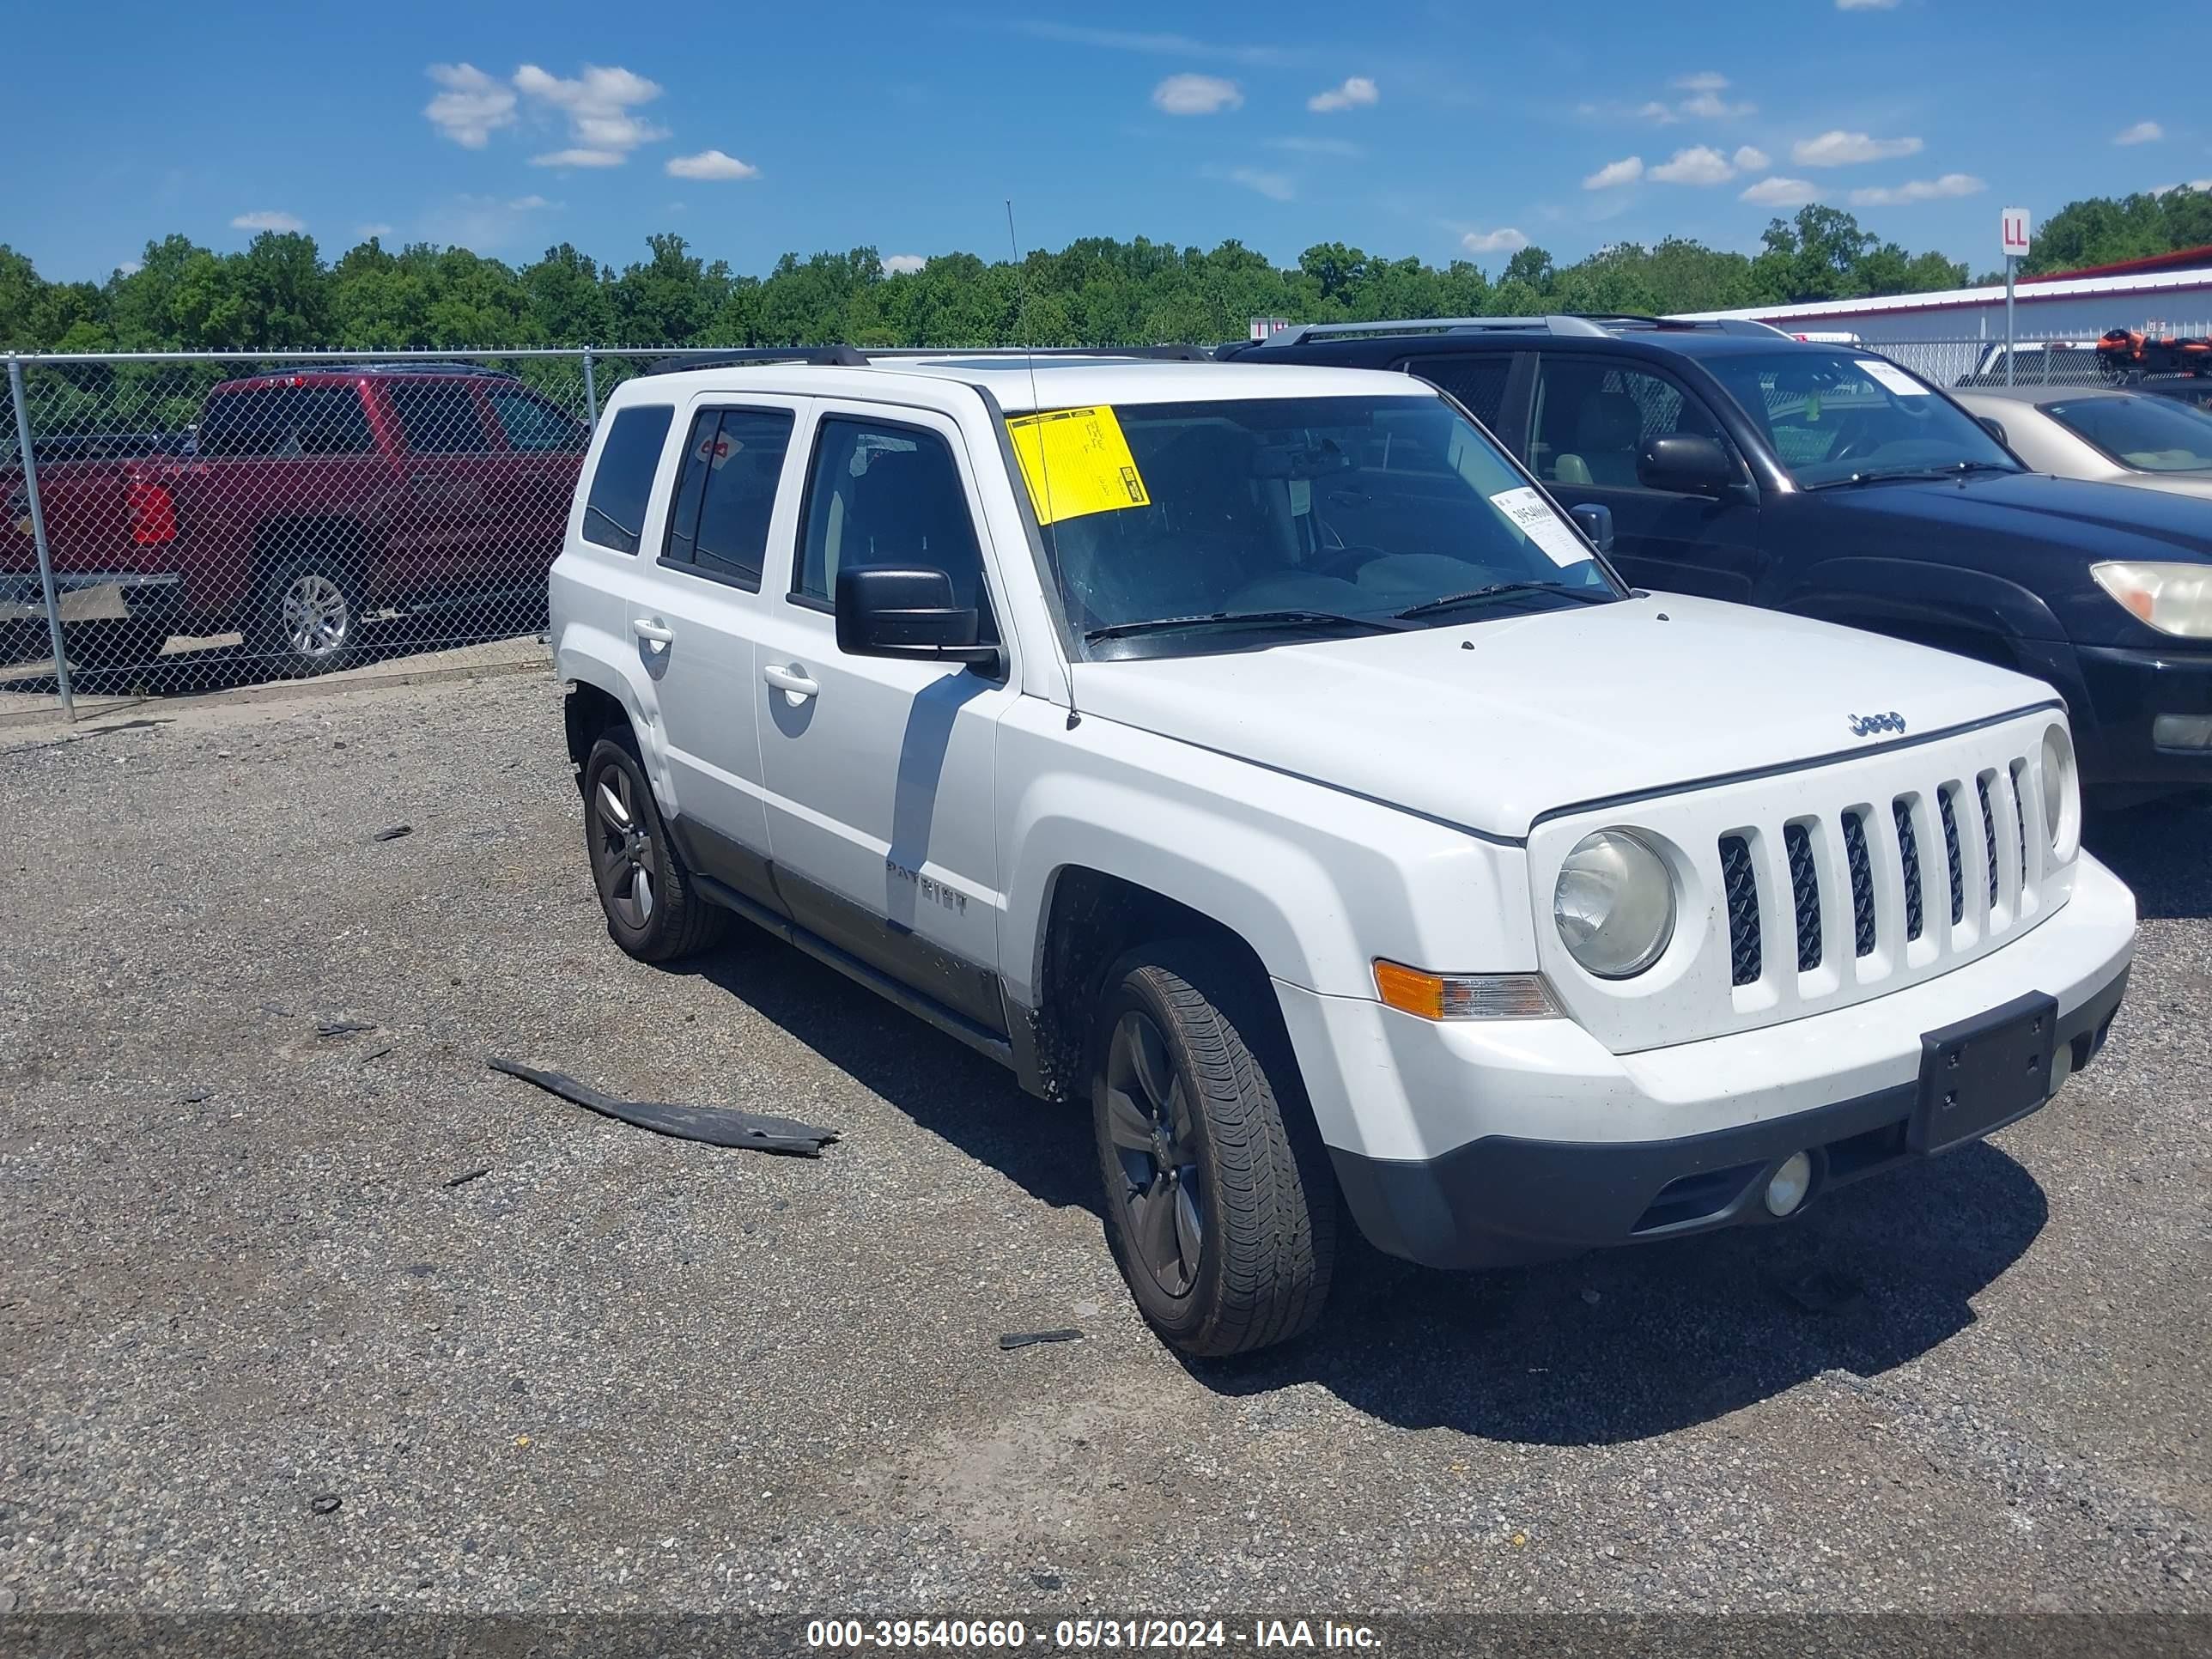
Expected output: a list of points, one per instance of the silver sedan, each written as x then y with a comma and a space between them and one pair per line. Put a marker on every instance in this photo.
2101, 433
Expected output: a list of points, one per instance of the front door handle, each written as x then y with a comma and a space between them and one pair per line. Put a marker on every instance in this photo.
656, 630
791, 682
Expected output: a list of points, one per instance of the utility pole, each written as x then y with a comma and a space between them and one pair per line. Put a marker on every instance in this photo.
2015, 228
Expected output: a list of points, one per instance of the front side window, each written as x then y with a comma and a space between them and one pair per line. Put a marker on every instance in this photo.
1837, 418
614, 513
885, 493
1244, 523
2151, 434
439, 418
1592, 419
530, 424
725, 493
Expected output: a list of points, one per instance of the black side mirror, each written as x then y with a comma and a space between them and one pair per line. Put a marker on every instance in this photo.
1994, 428
1684, 463
891, 610
1594, 520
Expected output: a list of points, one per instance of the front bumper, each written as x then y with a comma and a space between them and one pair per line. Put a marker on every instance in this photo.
1482, 1143
2127, 690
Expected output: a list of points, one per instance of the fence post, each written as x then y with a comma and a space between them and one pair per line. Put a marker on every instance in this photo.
591, 391
39, 535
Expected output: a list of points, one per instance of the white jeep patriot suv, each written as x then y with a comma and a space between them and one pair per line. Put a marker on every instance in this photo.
1257, 754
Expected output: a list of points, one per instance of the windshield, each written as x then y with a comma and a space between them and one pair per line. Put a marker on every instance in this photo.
2153, 434
1168, 522
1835, 417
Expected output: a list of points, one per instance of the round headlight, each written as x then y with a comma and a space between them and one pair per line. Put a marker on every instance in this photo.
1615, 904
2057, 770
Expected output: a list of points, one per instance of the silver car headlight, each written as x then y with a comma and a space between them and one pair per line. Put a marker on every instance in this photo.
2061, 790
1614, 904
2174, 599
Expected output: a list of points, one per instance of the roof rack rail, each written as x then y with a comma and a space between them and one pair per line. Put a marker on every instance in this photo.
388, 367
1176, 353
1557, 323
844, 356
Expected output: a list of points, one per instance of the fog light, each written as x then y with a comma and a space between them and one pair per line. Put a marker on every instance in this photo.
2182, 732
1786, 1191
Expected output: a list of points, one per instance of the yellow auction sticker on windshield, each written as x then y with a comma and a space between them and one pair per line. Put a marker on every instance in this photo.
1076, 462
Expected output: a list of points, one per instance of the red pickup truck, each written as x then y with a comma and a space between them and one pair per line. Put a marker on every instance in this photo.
310, 501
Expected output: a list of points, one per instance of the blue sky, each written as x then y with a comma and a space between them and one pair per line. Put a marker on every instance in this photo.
1435, 130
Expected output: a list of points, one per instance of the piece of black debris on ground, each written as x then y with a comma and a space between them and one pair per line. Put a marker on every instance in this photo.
394, 833
326, 1502
376, 1054
330, 1027
467, 1175
713, 1125
1823, 1290
194, 1096
1024, 1339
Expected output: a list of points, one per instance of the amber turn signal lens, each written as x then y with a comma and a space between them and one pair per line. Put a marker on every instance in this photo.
1463, 996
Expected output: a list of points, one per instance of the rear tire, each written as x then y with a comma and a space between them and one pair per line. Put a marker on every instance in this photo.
1220, 1199
306, 619
653, 910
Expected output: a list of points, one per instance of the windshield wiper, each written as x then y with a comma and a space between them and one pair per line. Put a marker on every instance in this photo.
1241, 619
1891, 475
1452, 601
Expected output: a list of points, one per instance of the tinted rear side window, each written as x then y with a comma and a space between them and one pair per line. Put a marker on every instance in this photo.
726, 492
438, 417
281, 422
530, 424
1478, 382
614, 513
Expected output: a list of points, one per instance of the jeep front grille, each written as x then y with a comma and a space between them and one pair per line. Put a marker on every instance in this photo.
1826, 857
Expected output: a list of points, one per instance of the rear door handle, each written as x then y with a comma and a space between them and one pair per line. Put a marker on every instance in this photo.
659, 632
791, 682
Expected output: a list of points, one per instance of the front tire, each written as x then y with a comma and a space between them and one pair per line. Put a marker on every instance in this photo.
653, 910
1220, 1199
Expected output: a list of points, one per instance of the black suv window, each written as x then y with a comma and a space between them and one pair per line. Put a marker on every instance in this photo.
1593, 418
1478, 382
613, 514
882, 494
438, 417
726, 492
283, 421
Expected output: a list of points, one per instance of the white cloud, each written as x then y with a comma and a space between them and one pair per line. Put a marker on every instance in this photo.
1505, 240
265, 220
1919, 189
2143, 132
599, 105
1196, 95
1703, 80
2193, 184
1839, 149
1656, 111
1318, 146
374, 228
580, 158
129, 268
1749, 158
472, 107
1699, 165
530, 204
1356, 91
1275, 187
1866, 5
1779, 193
904, 264
710, 164
1166, 45
1626, 171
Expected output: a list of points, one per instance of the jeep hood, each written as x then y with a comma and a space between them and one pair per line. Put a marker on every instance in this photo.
1490, 725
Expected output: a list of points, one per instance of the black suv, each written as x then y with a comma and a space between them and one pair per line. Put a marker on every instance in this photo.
1739, 464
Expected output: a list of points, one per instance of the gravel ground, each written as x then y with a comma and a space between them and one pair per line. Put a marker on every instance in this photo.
265, 1348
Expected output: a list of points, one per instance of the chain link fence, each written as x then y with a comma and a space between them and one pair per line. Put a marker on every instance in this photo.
174, 523
2060, 360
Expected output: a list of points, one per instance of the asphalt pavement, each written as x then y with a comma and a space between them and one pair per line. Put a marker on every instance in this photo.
303, 1308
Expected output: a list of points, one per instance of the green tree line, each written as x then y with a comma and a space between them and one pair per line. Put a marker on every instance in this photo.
279, 292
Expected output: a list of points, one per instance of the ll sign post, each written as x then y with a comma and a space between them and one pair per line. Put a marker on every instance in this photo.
2016, 234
